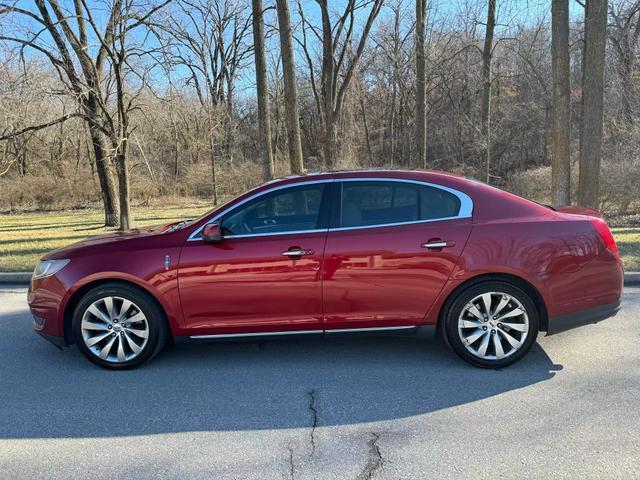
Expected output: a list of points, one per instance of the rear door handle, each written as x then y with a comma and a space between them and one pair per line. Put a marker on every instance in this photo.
437, 244
297, 252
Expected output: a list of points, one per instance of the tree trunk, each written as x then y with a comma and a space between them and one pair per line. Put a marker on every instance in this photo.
487, 53
264, 122
126, 221
595, 30
366, 132
421, 88
290, 88
105, 176
561, 135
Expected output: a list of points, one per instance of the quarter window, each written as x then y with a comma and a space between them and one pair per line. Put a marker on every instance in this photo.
288, 210
378, 203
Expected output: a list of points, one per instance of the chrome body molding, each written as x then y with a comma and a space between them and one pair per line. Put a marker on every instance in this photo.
301, 332
466, 207
256, 334
369, 329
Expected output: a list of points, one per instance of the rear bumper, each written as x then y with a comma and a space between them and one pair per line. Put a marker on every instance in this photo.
568, 321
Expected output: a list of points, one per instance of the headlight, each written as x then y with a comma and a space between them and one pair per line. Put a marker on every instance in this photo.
46, 268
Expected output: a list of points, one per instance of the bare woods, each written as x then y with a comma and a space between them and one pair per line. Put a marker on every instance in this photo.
126, 102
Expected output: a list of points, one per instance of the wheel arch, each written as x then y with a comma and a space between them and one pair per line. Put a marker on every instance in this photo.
520, 282
77, 295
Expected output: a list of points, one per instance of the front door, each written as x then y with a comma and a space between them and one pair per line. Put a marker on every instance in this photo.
391, 248
264, 276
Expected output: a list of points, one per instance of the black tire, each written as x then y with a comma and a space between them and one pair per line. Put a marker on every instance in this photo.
155, 318
455, 309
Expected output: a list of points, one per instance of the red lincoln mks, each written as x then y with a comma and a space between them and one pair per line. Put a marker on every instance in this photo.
393, 252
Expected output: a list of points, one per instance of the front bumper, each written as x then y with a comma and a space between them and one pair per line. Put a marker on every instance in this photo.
59, 342
568, 321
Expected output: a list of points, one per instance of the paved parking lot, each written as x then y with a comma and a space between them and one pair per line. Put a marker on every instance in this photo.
368, 408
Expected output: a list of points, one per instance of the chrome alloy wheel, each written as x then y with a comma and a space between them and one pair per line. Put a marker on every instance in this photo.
493, 325
114, 329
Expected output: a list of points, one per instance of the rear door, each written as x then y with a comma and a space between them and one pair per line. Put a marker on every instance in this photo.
391, 247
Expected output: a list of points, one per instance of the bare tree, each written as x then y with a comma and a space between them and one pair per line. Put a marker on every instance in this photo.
210, 39
624, 33
81, 75
595, 35
487, 80
421, 88
264, 122
339, 61
560, 151
290, 87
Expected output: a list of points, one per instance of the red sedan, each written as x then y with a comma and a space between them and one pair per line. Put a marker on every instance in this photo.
390, 252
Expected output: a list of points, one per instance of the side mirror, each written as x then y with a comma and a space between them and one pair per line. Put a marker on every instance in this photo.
212, 232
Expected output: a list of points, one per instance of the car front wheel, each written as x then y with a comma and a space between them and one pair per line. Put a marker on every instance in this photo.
492, 324
118, 326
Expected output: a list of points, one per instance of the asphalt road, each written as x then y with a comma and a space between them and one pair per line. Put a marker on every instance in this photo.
336, 409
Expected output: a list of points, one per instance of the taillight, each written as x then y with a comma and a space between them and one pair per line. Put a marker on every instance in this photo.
605, 234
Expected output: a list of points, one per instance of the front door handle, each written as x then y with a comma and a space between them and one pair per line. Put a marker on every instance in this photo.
297, 252
437, 244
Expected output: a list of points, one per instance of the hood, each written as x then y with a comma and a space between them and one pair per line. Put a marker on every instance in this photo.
574, 210
72, 250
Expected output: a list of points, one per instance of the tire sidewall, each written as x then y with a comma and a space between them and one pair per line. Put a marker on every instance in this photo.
461, 300
151, 311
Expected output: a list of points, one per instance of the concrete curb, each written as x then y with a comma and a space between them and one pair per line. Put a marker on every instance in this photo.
23, 278
16, 278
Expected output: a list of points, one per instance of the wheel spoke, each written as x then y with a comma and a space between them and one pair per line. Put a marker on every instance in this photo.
101, 327
96, 312
142, 333
121, 354
104, 353
132, 344
482, 350
108, 303
474, 336
97, 339
513, 313
473, 310
512, 341
520, 327
497, 344
486, 302
504, 301
138, 317
124, 308
471, 324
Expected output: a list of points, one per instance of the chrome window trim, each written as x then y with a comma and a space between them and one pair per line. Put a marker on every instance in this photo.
195, 236
466, 207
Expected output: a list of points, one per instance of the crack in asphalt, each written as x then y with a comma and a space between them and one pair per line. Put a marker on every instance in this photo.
375, 459
314, 419
292, 468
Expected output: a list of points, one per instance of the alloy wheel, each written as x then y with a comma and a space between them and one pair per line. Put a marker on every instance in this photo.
493, 325
114, 329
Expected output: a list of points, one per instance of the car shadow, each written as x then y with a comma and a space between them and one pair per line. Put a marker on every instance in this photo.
46, 393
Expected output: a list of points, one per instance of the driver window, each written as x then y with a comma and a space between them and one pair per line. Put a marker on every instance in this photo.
288, 210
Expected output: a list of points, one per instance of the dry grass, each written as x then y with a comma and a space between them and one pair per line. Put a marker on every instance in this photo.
24, 238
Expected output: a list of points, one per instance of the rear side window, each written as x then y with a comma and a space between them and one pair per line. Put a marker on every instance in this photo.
378, 203
437, 203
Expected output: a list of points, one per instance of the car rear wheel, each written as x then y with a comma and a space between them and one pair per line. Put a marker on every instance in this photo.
492, 324
118, 326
